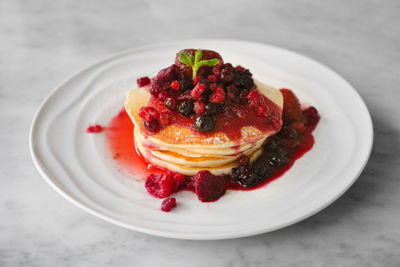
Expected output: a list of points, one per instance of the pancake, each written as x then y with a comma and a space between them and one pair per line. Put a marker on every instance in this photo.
187, 151
217, 170
186, 138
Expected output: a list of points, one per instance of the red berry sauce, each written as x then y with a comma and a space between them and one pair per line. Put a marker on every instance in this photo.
96, 128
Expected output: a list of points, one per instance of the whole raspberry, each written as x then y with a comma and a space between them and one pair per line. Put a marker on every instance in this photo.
143, 81
168, 204
218, 95
196, 80
198, 90
199, 107
212, 78
208, 187
148, 114
159, 185
311, 114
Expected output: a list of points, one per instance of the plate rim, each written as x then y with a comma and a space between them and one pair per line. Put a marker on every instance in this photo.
49, 180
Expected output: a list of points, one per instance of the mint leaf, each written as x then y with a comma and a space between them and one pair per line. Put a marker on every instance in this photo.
195, 61
186, 58
209, 62
198, 56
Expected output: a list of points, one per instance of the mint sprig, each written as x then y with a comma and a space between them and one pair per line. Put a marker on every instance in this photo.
195, 61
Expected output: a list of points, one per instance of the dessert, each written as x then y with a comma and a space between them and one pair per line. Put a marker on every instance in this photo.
207, 126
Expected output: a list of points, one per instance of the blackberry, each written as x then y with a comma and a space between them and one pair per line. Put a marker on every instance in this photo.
185, 85
211, 109
185, 108
261, 170
204, 123
277, 159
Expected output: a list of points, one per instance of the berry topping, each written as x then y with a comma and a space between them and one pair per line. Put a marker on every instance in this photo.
171, 103
199, 107
159, 185
175, 85
168, 204
218, 95
198, 90
152, 126
185, 108
148, 113
143, 81
208, 187
204, 123
212, 78
255, 98
196, 80
94, 129
162, 185
210, 109
311, 114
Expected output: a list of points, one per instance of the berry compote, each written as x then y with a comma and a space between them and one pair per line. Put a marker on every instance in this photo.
215, 96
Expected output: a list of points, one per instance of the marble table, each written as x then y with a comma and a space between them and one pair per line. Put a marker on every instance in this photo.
43, 42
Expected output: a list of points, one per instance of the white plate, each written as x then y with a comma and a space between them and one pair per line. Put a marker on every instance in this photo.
78, 166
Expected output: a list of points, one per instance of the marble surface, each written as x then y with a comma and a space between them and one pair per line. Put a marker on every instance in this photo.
43, 42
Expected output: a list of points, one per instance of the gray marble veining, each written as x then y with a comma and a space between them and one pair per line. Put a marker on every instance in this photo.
43, 42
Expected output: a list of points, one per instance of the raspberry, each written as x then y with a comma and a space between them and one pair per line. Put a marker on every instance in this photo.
208, 187
177, 179
175, 85
165, 118
311, 114
262, 110
212, 78
143, 81
196, 80
218, 95
159, 185
198, 90
148, 114
199, 107
94, 129
163, 79
168, 204
240, 68
217, 70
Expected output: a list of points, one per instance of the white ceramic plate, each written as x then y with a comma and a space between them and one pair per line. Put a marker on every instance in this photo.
78, 166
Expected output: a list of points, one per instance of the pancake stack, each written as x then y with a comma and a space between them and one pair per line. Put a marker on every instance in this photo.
186, 151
